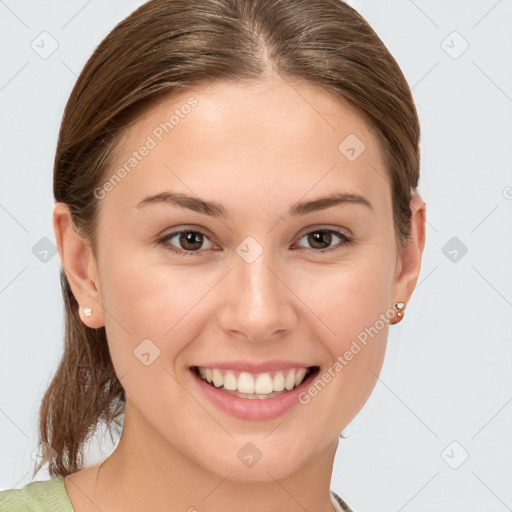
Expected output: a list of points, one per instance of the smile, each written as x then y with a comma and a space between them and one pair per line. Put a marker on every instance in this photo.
254, 396
260, 385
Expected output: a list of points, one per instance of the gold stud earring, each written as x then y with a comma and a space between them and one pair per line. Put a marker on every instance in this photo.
399, 306
88, 311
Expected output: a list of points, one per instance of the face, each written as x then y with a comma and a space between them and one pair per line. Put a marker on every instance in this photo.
293, 263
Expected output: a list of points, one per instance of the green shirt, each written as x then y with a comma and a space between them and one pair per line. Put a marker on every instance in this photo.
44, 496
51, 496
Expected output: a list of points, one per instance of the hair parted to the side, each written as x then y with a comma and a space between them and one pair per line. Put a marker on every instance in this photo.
162, 47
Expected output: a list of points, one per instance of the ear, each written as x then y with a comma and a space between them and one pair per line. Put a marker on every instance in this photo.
409, 262
80, 266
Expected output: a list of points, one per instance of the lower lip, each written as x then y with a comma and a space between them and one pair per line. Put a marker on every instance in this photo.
253, 409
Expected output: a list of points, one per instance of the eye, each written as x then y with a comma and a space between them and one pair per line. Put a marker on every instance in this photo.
320, 239
189, 242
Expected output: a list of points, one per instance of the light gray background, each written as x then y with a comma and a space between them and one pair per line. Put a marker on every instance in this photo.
445, 390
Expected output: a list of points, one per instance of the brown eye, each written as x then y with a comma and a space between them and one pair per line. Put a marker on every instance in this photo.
191, 241
317, 239
321, 239
186, 242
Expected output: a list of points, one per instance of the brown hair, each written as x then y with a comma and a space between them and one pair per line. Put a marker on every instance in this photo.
166, 45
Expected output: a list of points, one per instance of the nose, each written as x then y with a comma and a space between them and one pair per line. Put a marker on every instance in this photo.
258, 304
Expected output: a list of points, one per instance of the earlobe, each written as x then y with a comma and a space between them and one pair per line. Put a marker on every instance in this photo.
410, 263
80, 267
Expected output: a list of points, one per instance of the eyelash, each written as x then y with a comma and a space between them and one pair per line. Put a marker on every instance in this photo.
345, 241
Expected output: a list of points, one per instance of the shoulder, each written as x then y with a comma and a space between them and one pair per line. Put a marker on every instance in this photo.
43, 496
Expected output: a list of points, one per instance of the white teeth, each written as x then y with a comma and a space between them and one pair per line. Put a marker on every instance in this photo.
245, 383
263, 384
207, 374
278, 381
299, 376
230, 381
217, 377
251, 386
289, 381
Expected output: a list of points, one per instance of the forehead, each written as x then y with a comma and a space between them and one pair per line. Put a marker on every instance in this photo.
272, 138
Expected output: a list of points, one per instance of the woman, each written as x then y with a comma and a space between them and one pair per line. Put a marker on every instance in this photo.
238, 224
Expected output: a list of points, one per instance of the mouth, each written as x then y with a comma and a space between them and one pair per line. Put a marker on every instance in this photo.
256, 386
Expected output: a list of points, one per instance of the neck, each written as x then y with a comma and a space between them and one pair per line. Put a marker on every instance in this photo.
148, 473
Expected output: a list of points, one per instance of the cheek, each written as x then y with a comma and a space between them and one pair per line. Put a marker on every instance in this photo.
356, 340
348, 297
144, 301
351, 306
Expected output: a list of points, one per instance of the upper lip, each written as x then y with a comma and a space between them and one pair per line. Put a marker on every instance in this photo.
252, 367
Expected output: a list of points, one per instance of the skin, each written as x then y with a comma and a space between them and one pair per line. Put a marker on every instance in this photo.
256, 148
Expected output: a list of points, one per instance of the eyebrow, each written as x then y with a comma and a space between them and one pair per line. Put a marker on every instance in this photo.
215, 209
